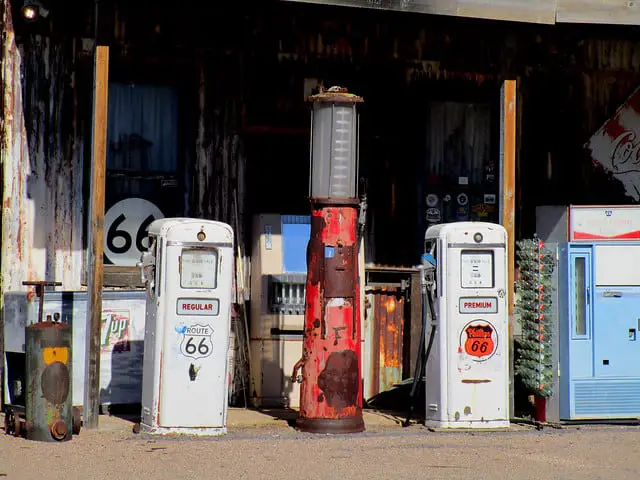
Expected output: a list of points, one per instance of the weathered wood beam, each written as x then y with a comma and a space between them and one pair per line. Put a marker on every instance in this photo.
96, 237
507, 203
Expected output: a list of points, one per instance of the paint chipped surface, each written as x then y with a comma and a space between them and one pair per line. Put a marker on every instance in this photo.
331, 388
42, 160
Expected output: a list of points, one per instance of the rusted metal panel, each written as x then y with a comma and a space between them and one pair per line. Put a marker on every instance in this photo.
388, 339
42, 163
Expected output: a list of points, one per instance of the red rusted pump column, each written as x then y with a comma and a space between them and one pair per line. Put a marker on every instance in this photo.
331, 390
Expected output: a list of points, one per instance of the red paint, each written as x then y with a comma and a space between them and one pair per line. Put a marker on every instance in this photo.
541, 409
479, 341
479, 305
623, 236
197, 306
613, 128
332, 387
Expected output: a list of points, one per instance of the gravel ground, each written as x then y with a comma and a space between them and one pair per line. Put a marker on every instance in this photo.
279, 452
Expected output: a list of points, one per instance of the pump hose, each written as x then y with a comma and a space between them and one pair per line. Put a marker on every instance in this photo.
423, 357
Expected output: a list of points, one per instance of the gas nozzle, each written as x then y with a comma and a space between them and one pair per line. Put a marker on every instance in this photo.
428, 268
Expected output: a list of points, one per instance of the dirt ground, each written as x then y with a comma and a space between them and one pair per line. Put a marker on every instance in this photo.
273, 450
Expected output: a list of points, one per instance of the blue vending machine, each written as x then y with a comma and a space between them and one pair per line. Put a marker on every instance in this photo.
599, 310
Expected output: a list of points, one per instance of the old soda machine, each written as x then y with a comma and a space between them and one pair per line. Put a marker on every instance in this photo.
599, 313
278, 276
467, 369
188, 275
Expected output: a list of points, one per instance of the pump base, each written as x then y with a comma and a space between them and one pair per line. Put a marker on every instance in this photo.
330, 425
193, 431
468, 425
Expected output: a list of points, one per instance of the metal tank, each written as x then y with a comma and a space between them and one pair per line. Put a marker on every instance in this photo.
49, 409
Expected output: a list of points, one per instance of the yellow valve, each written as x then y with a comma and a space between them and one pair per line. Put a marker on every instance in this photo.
55, 354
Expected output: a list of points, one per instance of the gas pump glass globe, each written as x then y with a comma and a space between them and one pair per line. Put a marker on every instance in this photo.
333, 150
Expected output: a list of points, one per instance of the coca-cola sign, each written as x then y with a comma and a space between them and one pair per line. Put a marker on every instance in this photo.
624, 158
616, 145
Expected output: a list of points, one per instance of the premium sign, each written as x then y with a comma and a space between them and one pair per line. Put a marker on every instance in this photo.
478, 305
197, 306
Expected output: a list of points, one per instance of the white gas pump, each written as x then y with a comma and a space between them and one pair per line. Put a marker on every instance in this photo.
467, 372
188, 273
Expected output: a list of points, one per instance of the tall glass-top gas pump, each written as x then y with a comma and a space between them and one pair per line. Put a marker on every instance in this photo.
331, 389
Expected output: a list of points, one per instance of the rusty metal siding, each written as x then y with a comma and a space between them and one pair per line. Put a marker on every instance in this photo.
42, 218
388, 319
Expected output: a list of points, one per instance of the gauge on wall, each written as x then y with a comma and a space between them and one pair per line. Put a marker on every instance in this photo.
432, 200
463, 199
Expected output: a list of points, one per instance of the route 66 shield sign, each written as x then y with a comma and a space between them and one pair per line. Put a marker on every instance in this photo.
479, 340
196, 341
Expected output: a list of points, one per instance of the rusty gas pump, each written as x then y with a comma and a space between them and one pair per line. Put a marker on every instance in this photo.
331, 386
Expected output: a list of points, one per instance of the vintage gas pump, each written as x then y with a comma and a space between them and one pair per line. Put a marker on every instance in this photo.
188, 274
331, 389
467, 373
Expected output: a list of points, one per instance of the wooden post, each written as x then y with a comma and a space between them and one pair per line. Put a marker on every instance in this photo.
507, 204
3, 161
95, 265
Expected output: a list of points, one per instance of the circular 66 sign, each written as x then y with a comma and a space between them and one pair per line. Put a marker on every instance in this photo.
125, 230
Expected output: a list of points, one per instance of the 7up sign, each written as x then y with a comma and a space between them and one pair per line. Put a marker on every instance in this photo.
115, 331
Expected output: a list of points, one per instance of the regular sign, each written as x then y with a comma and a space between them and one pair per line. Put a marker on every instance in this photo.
126, 226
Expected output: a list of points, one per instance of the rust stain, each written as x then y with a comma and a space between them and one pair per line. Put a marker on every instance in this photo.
42, 153
388, 339
339, 380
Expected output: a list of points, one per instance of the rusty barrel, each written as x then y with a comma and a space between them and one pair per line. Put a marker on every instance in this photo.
331, 390
49, 409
